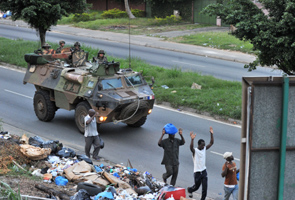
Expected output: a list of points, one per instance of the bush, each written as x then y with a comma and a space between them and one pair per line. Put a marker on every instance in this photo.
81, 17
114, 13
138, 13
168, 20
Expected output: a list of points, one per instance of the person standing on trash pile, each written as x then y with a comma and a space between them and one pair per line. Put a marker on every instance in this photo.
229, 171
171, 152
61, 46
91, 134
46, 49
199, 160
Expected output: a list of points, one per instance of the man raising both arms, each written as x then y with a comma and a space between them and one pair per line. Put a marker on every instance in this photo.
199, 160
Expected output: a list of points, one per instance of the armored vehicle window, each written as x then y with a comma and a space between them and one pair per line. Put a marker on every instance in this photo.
90, 84
111, 83
133, 80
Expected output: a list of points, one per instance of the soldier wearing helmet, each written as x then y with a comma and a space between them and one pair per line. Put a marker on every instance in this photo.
46, 49
61, 46
76, 48
101, 58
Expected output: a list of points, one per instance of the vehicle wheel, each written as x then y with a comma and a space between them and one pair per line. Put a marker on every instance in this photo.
43, 107
80, 113
139, 123
131, 108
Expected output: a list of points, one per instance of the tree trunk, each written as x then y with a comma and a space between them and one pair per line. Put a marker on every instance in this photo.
42, 35
131, 16
52, 191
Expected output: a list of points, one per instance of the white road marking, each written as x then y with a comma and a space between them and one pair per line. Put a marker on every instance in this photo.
18, 94
187, 63
220, 154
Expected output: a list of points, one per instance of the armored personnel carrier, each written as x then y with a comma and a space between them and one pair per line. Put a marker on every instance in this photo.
118, 95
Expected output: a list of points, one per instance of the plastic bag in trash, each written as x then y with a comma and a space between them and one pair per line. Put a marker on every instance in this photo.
142, 190
81, 195
97, 168
36, 141
53, 159
66, 152
112, 190
55, 146
85, 158
60, 180
104, 195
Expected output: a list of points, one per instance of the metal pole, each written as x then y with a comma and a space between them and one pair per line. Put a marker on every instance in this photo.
283, 138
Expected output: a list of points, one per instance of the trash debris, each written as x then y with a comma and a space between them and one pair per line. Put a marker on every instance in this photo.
34, 153
63, 167
61, 180
196, 86
165, 86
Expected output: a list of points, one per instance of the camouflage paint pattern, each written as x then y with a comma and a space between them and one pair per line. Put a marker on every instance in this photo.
105, 87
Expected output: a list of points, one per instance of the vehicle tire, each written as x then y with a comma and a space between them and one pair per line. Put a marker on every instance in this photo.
43, 107
80, 113
131, 108
139, 123
90, 188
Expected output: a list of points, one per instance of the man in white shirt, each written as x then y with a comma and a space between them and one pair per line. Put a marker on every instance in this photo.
91, 134
199, 160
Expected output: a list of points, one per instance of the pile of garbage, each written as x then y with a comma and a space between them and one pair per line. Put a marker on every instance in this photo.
62, 165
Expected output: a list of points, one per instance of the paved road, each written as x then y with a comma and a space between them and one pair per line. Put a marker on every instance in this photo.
122, 142
225, 65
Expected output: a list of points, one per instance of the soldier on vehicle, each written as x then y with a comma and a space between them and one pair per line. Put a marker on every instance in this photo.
101, 58
77, 48
74, 50
46, 49
61, 46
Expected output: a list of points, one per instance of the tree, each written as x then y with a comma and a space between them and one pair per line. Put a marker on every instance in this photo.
131, 16
41, 15
273, 34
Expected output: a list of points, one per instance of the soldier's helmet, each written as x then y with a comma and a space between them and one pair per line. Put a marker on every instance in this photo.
46, 45
62, 42
100, 52
77, 44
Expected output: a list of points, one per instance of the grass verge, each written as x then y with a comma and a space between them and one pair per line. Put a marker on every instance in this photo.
218, 40
216, 97
139, 26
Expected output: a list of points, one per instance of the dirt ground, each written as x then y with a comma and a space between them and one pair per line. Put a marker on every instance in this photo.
9, 150
27, 186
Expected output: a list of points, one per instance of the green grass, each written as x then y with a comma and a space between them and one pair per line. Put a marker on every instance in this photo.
219, 40
139, 26
217, 97
150, 26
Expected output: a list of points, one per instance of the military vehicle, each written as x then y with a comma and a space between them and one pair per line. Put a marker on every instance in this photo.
68, 81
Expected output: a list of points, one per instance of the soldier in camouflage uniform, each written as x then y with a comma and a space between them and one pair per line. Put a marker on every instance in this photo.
47, 50
75, 49
61, 46
101, 58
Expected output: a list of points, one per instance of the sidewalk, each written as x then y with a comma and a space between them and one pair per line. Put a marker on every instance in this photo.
142, 40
